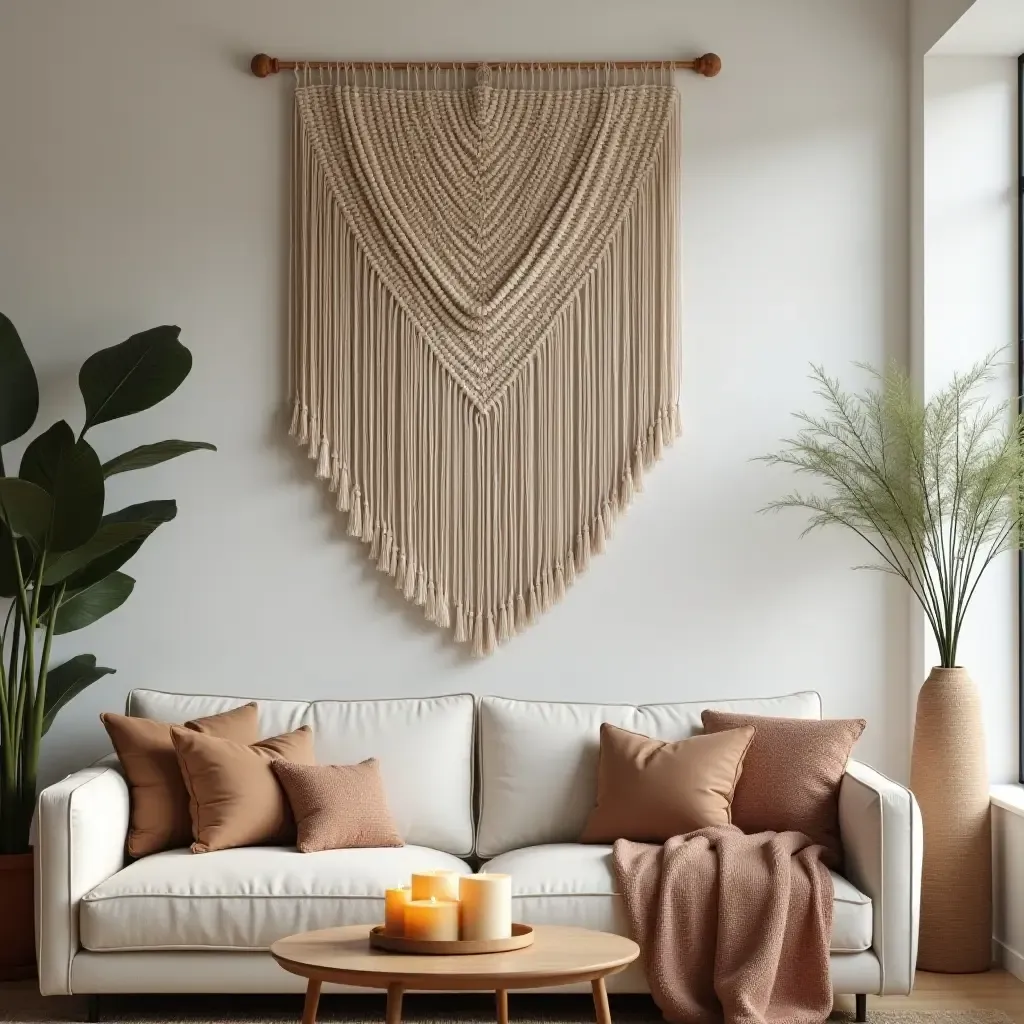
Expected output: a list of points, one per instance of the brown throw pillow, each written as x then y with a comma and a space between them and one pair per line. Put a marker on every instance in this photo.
649, 790
234, 796
159, 818
338, 806
791, 775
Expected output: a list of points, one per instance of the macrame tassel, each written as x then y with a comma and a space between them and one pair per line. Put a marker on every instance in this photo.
355, 519
304, 426
534, 608
444, 616
430, 611
521, 621
638, 469
545, 591
323, 462
584, 556
559, 582
384, 561
626, 497
375, 543
478, 635
409, 592
490, 643
570, 569
421, 588
314, 441
659, 437
344, 490
598, 533
367, 523
460, 623
400, 573
293, 430
393, 561
504, 634
335, 474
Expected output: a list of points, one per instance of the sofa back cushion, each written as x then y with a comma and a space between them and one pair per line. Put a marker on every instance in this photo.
424, 746
538, 760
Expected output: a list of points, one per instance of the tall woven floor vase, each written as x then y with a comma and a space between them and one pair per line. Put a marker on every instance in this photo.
949, 777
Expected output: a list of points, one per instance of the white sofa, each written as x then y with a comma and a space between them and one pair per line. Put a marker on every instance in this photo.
506, 784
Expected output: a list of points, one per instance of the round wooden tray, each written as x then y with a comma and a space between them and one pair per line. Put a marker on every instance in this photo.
522, 936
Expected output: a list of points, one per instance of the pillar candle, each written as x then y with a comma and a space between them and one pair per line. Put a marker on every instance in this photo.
395, 902
432, 919
486, 906
438, 885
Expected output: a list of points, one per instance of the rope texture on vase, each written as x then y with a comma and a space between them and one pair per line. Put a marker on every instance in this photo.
484, 322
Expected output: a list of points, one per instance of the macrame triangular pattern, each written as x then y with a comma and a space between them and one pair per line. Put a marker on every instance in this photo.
484, 326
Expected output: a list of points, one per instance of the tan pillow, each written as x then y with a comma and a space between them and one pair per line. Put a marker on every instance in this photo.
234, 795
159, 817
338, 806
649, 790
791, 775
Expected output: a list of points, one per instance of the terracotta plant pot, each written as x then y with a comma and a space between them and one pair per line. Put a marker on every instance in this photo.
949, 777
17, 917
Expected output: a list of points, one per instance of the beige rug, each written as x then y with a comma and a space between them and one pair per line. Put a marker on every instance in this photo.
27, 1007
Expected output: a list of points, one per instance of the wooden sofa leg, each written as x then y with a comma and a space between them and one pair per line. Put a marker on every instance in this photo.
861, 1014
92, 1013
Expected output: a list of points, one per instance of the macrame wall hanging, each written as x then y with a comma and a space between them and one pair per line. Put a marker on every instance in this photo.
484, 320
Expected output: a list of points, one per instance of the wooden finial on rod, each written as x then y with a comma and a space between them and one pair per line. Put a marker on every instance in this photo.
708, 65
261, 65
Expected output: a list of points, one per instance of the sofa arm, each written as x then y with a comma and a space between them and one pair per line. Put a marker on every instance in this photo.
882, 843
81, 827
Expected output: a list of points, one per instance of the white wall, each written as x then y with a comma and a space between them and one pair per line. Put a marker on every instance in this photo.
142, 180
970, 282
930, 20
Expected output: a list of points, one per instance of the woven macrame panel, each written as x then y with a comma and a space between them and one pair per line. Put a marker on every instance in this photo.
484, 325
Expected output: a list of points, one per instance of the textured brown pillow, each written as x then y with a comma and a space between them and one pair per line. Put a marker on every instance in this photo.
338, 806
234, 795
791, 775
649, 790
159, 800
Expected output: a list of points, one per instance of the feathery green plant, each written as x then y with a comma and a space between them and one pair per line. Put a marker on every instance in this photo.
935, 488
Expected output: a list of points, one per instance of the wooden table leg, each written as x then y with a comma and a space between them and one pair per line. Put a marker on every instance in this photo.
394, 1012
604, 1014
312, 1002
501, 998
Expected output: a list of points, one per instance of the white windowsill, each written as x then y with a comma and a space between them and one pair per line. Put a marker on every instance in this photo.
1008, 797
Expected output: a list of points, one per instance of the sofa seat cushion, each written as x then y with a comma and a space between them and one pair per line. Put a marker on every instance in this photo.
245, 899
572, 884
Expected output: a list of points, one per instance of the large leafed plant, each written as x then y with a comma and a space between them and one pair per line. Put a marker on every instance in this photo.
60, 555
934, 487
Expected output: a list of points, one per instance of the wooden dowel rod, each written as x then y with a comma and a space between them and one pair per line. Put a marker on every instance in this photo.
709, 65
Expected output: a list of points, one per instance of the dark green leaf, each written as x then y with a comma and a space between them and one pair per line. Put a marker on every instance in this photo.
132, 376
8, 571
153, 454
67, 681
26, 508
19, 390
81, 608
70, 473
149, 514
107, 538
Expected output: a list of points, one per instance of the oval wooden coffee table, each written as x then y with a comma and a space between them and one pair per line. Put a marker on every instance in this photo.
558, 956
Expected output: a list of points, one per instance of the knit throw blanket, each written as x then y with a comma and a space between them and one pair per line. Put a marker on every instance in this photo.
731, 927
484, 322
